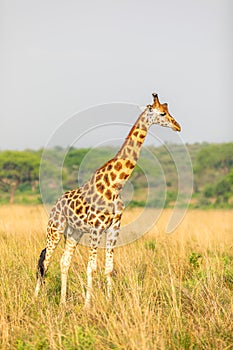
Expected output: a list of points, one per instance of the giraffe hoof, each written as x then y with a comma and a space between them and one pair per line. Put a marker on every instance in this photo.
87, 306
62, 303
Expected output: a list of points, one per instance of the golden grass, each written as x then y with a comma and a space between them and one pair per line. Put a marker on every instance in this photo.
170, 291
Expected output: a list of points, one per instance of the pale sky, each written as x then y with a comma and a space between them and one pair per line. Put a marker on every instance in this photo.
62, 57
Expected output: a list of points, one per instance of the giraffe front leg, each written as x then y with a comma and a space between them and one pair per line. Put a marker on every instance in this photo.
95, 237
108, 271
91, 268
112, 235
65, 265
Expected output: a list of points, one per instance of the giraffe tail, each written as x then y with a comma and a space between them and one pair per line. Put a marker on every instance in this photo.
40, 266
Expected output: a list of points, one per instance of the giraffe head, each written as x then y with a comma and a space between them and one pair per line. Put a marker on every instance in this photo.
158, 113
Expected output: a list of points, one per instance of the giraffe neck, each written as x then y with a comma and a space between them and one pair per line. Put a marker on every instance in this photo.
132, 146
113, 175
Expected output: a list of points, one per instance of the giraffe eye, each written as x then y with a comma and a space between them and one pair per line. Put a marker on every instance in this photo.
162, 114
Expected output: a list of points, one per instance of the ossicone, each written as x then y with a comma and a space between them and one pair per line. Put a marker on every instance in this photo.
156, 99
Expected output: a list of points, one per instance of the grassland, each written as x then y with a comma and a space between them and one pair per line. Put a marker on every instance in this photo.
170, 291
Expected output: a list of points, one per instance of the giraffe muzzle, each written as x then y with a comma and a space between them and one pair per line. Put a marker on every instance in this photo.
176, 126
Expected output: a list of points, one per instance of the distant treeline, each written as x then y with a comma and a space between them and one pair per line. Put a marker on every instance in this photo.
24, 174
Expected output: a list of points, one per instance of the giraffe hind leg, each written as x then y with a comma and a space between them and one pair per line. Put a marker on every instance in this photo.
65, 265
53, 239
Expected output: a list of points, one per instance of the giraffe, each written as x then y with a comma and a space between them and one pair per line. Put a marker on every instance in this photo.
96, 207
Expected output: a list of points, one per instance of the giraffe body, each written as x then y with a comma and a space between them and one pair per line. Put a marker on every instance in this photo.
96, 207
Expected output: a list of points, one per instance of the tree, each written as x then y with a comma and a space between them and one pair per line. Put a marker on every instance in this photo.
224, 188
17, 167
215, 156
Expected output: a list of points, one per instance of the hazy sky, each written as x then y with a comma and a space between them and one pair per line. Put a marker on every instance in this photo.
60, 57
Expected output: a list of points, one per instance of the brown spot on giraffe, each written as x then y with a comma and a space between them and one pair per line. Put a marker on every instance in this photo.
131, 143
108, 194
118, 166
72, 204
117, 186
70, 212
120, 206
86, 187
113, 176
125, 154
142, 136
100, 202
108, 220
123, 176
129, 164
135, 155
139, 143
98, 177
106, 179
95, 197
92, 216
117, 216
78, 210
109, 167
100, 187
97, 223
63, 202
102, 217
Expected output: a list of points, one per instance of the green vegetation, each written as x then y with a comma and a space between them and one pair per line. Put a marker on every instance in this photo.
17, 170
156, 170
213, 176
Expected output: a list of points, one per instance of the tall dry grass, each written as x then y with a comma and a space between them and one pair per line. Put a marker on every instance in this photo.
170, 291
